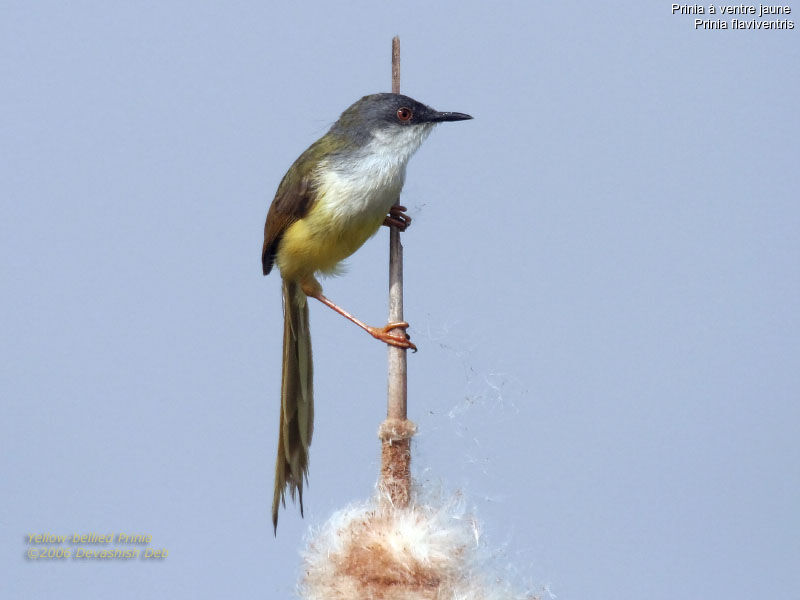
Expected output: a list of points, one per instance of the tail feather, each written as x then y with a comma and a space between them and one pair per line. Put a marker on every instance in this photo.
297, 400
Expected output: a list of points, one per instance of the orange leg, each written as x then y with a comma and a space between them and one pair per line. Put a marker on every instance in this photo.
383, 334
398, 218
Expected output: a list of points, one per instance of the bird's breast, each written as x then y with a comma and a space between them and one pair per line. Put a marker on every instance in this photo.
362, 191
351, 202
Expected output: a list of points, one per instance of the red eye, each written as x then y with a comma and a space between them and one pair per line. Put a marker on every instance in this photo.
404, 114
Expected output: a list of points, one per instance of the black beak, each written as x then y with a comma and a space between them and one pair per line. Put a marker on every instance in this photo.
438, 117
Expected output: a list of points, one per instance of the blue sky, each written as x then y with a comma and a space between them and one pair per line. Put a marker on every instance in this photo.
601, 277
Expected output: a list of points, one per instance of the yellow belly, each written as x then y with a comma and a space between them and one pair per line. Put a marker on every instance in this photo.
348, 209
320, 241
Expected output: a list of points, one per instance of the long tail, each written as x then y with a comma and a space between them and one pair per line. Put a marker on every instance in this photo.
297, 400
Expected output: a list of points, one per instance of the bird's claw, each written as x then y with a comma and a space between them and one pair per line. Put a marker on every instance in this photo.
385, 335
398, 218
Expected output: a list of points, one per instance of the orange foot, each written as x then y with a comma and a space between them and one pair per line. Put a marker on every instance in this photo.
398, 218
385, 334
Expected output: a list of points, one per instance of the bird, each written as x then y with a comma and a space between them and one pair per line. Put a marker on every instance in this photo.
335, 196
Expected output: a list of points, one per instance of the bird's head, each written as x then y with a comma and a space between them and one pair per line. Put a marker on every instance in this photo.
393, 122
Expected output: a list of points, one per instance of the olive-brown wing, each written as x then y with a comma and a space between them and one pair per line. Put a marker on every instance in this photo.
291, 203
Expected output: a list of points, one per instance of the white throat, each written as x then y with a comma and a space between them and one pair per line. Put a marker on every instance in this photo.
369, 181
